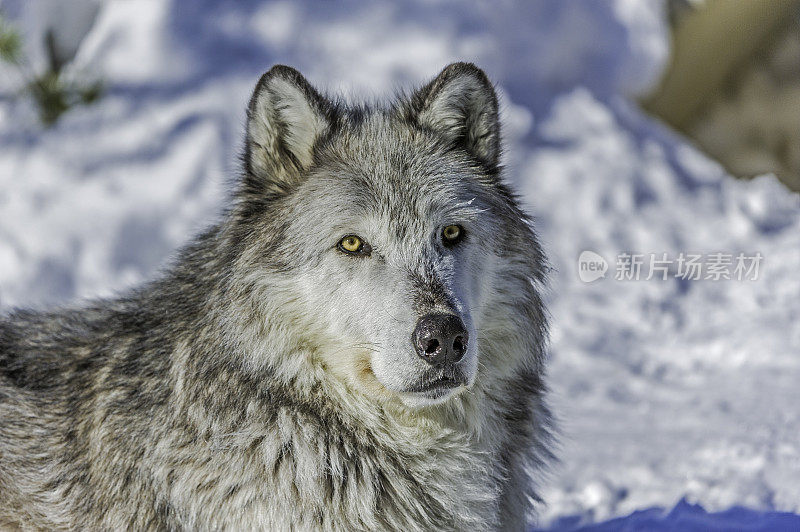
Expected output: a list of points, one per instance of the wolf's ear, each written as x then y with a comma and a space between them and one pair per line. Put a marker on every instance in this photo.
462, 106
285, 118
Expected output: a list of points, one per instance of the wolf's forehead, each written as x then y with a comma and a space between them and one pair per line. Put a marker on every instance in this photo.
372, 193
382, 167
394, 159
397, 191
383, 142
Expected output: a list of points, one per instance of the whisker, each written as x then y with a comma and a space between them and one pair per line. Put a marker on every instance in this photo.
366, 346
395, 318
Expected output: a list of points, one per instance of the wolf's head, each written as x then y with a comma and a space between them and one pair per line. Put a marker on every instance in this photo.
382, 241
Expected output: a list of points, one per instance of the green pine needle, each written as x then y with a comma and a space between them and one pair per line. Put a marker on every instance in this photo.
10, 43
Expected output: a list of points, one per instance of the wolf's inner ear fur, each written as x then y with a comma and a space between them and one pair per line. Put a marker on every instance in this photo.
462, 106
285, 118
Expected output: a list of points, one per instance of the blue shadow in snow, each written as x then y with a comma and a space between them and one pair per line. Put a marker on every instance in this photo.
685, 517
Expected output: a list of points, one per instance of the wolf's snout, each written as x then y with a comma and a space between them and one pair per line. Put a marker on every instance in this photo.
440, 339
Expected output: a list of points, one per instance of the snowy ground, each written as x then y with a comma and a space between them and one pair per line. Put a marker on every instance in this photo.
666, 389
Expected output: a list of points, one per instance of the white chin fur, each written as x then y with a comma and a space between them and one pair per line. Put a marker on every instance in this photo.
423, 399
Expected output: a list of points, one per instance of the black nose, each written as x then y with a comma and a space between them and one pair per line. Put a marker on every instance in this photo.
440, 339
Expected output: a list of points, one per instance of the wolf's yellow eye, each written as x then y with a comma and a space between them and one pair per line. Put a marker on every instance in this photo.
351, 244
452, 234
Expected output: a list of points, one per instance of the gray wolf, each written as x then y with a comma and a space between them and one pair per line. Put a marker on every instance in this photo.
357, 344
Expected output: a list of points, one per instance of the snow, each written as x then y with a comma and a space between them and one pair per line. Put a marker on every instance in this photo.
666, 390
688, 518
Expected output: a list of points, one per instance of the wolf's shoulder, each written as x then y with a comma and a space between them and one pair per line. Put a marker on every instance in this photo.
39, 348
